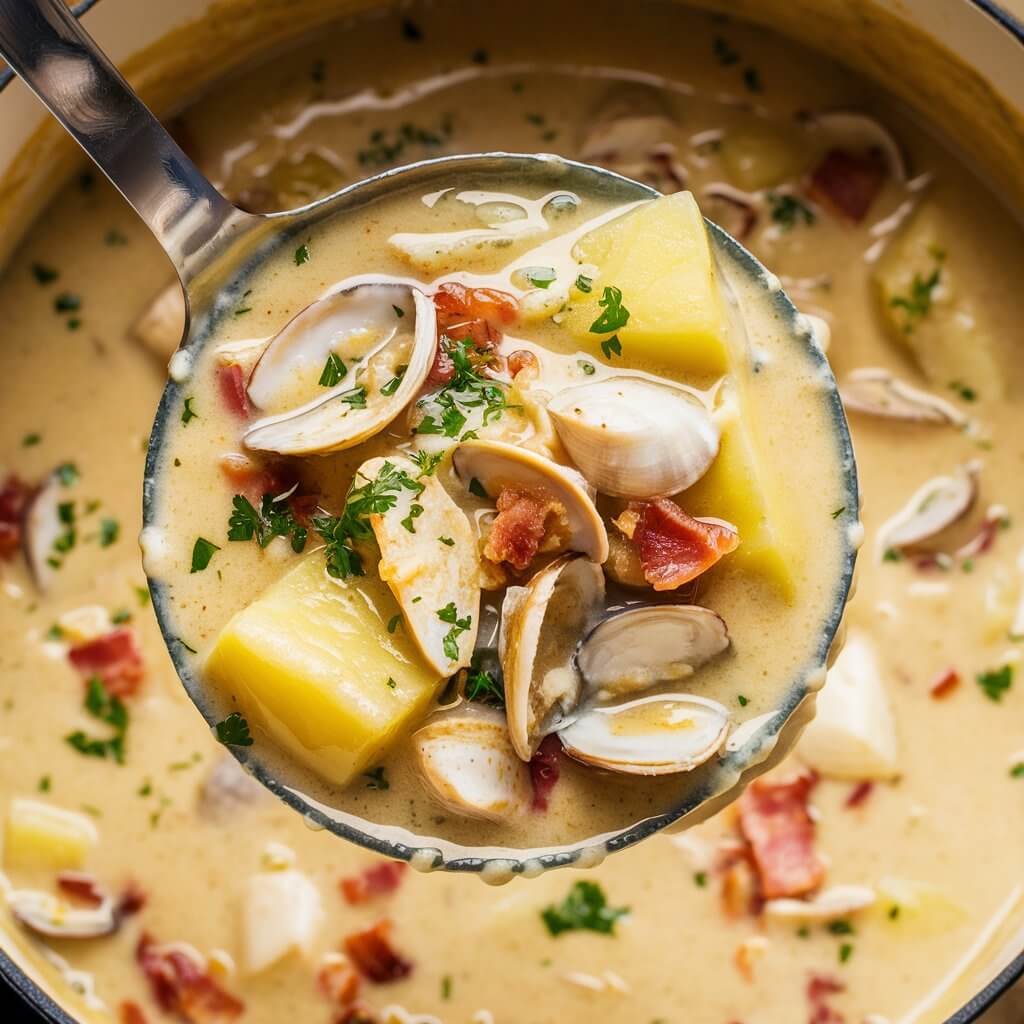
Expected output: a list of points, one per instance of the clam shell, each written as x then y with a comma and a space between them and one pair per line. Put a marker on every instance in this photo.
540, 627
877, 392
657, 735
634, 648
361, 326
49, 915
635, 438
467, 761
496, 465
42, 529
934, 506
854, 130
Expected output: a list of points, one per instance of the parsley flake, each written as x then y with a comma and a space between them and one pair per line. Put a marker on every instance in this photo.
394, 622
584, 909
447, 541
302, 255
788, 210
273, 519
107, 709
188, 413
450, 615
233, 731
202, 552
611, 347
996, 682
110, 530
917, 304
333, 372
615, 315
584, 284
44, 274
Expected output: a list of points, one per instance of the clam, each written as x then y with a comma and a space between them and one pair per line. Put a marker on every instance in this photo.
47, 521
54, 917
877, 392
161, 325
827, 905
935, 505
540, 626
428, 557
635, 438
468, 763
342, 369
634, 648
655, 735
495, 465
856, 131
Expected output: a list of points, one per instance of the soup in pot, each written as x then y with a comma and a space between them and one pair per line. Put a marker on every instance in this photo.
874, 876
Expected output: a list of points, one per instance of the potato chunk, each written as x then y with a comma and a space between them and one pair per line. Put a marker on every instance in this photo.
311, 664
926, 311
40, 835
659, 257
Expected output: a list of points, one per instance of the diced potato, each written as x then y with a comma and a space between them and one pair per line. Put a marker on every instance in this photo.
754, 159
80, 625
852, 735
659, 257
924, 310
282, 913
311, 664
40, 835
917, 908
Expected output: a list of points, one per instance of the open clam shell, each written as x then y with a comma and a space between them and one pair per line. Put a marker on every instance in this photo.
342, 369
635, 438
877, 392
634, 648
540, 627
54, 917
936, 505
467, 761
657, 735
495, 465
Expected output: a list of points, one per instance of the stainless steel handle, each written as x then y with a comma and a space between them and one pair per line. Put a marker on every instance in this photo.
49, 49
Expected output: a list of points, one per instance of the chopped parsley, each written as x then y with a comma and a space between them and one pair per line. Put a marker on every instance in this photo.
44, 784
892, 555
743, 701
540, 277
67, 302
355, 397
115, 237
700, 879
446, 987
788, 210
44, 274
968, 394
584, 284
611, 346
120, 617
391, 386
894, 912
333, 372
142, 596
615, 315
918, 303
482, 687
67, 539
31, 440
447, 541
845, 952
535, 119
415, 511
838, 512
996, 682
110, 530
450, 614
273, 519
584, 909
426, 461
1017, 771
302, 255
233, 731
840, 927
188, 413
107, 709
388, 147
399, 312
318, 72
394, 622
202, 552
391, 684
411, 31
376, 779
586, 367
67, 473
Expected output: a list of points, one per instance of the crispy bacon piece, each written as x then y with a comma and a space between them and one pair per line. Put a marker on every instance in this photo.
848, 183
252, 478
338, 980
133, 899
15, 496
131, 1013
442, 369
523, 360
944, 684
115, 658
819, 988
377, 880
231, 384
674, 547
458, 304
370, 950
859, 794
775, 822
80, 886
181, 986
545, 769
519, 528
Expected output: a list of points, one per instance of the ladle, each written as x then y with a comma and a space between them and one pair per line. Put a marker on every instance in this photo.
213, 244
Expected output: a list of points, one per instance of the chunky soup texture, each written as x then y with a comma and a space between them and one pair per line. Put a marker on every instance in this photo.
146, 878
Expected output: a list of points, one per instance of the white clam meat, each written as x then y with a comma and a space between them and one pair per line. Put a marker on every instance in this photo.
282, 912
875, 391
468, 763
435, 581
540, 627
656, 735
495, 465
635, 438
44, 529
342, 369
827, 905
635, 648
56, 918
161, 325
936, 505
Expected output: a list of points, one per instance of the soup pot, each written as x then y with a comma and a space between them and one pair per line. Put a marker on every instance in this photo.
963, 57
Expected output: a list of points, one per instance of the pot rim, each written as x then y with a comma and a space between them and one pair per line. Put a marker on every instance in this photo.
21, 984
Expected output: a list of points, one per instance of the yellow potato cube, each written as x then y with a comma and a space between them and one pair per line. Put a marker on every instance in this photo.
659, 257
40, 835
754, 160
311, 664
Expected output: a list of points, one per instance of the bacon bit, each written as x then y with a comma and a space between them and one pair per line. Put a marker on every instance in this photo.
775, 821
739, 895
944, 684
115, 658
674, 547
819, 988
231, 383
338, 980
373, 881
983, 540
133, 899
252, 478
848, 183
80, 886
131, 1014
520, 525
180, 986
859, 793
456, 302
545, 769
372, 954
15, 497
747, 953
523, 361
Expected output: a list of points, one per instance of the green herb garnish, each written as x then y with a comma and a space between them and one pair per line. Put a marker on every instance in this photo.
611, 347
67, 302
615, 315
233, 731
44, 274
188, 413
110, 530
447, 541
996, 682
918, 303
333, 372
273, 519
109, 710
584, 284
584, 909
392, 385
67, 473
788, 210
449, 614
302, 255
202, 552
415, 511
540, 277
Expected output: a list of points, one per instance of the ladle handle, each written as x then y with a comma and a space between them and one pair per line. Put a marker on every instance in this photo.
48, 48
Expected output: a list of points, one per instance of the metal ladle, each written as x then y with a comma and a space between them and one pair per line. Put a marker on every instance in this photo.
212, 245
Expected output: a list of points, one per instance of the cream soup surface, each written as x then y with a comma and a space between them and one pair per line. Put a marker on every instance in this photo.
937, 834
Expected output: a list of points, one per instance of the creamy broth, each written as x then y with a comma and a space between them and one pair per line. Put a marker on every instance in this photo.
948, 823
